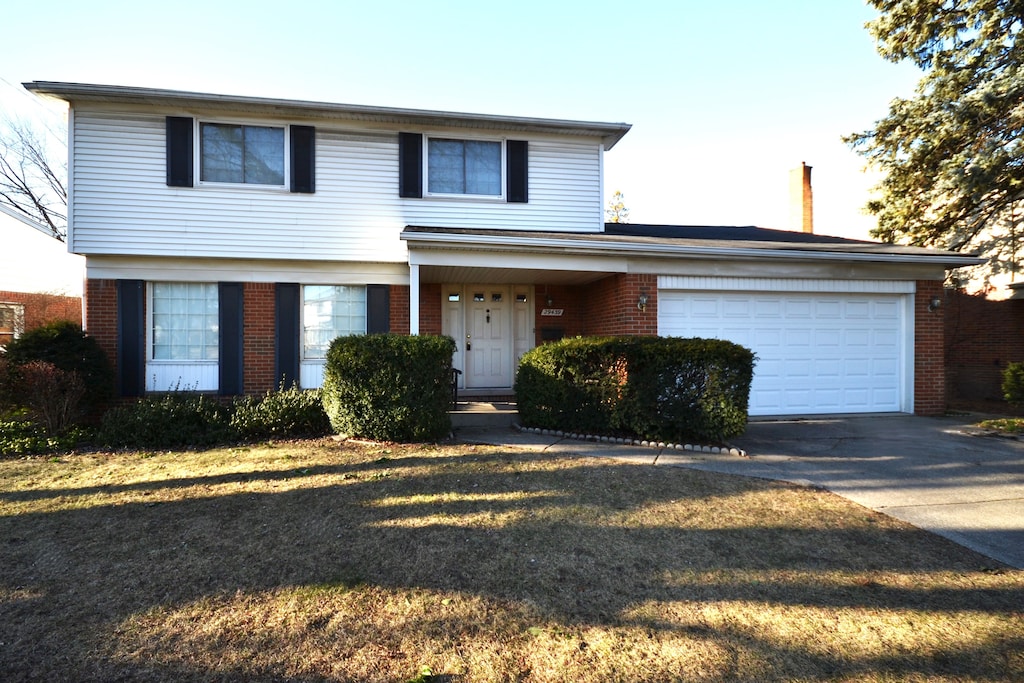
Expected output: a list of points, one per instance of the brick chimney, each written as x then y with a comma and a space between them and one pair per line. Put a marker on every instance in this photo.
801, 199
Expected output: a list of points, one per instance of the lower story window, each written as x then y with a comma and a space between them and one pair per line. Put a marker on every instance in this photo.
185, 321
12, 322
330, 311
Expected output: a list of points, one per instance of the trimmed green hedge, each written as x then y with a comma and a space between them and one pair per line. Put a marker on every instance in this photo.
186, 420
389, 387
664, 388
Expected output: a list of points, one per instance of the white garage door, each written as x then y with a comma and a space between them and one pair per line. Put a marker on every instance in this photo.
816, 353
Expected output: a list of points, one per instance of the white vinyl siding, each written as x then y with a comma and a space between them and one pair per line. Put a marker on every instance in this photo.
122, 204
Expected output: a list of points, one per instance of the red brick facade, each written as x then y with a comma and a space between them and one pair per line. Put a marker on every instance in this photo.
258, 346
100, 316
608, 306
929, 350
613, 305
40, 309
982, 337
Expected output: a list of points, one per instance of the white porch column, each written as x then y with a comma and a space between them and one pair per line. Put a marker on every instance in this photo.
414, 298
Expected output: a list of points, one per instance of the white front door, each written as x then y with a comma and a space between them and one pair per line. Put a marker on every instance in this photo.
488, 339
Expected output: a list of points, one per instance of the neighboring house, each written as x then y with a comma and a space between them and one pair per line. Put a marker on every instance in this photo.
229, 239
40, 281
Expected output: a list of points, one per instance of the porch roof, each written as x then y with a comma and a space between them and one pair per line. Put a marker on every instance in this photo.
678, 241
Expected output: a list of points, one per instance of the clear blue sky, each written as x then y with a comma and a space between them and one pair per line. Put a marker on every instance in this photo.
724, 97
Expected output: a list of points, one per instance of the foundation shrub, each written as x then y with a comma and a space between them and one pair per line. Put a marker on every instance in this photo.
1013, 384
51, 395
687, 388
664, 388
572, 384
68, 348
175, 420
286, 413
389, 387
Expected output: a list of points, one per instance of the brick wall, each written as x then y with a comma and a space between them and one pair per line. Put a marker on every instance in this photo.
100, 316
570, 301
399, 309
41, 308
259, 331
611, 305
982, 337
430, 309
929, 351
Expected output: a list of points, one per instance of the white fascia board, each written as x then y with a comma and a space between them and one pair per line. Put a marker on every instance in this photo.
609, 133
523, 261
243, 270
604, 246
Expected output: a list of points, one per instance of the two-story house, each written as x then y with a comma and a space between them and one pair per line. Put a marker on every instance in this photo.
229, 239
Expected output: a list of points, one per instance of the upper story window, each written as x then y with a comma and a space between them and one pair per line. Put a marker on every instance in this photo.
484, 169
470, 167
264, 156
230, 153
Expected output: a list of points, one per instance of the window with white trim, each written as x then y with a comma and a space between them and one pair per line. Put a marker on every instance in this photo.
465, 167
185, 321
235, 153
330, 311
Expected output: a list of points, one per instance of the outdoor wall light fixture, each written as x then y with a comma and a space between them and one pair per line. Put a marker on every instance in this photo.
551, 302
934, 304
642, 303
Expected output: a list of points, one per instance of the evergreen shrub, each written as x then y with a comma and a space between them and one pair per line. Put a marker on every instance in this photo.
664, 388
175, 420
389, 387
66, 346
286, 413
1013, 384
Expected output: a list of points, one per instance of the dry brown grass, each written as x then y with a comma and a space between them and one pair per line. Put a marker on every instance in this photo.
318, 561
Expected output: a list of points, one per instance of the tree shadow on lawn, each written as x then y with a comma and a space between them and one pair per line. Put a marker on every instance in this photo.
588, 544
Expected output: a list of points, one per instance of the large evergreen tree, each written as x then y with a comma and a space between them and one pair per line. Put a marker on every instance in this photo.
952, 156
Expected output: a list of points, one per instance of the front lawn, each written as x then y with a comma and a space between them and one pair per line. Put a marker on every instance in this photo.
320, 561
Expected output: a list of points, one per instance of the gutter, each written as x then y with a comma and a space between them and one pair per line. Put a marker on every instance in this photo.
439, 240
610, 133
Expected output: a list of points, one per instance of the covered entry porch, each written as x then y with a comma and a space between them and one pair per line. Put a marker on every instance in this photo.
498, 301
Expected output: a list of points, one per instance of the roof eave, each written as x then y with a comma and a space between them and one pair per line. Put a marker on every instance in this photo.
618, 248
609, 133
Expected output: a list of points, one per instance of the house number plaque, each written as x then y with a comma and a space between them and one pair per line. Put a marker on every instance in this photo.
552, 311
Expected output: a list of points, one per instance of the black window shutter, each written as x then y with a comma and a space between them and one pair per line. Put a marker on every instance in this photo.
410, 165
303, 161
286, 332
131, 337
517, 171
179, 151
378, 309
231, 350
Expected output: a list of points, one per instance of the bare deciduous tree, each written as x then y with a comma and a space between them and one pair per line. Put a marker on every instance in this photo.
33, 176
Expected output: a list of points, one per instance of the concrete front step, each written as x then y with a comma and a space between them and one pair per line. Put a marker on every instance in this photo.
484, 414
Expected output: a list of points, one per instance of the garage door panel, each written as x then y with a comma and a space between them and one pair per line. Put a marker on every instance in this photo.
797, 309
822, 353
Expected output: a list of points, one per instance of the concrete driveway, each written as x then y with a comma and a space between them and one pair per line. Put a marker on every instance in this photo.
938, 474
